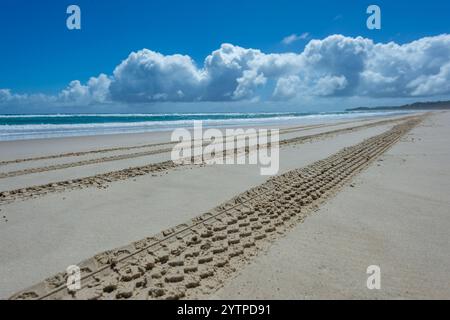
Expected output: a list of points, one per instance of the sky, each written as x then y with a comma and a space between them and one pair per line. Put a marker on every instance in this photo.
213, 55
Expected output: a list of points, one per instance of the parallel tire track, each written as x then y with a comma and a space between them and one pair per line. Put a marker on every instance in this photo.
195, 258
127, 148
103, 179
109, 158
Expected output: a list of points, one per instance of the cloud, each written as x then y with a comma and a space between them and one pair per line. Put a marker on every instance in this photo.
413, 69
345, 67
9, 98
336, 66
294, 37
435, 84
230, 74
287, 88
148, 76
5, 95
95, 91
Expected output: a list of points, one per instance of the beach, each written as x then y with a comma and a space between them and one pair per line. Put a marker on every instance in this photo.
395, 215
141, 227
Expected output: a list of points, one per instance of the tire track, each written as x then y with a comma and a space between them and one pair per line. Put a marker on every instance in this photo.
16, 173
127, 148
103, 179
195, 258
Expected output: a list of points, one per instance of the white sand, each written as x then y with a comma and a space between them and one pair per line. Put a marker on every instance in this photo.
50, 147
45, 235
396, 216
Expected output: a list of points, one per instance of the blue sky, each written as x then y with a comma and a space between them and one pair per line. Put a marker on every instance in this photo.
41, 56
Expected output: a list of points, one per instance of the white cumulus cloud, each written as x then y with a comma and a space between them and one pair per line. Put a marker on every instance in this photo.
147, 76
96, 90
336, 66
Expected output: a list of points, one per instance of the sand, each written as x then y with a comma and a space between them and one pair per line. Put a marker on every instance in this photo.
59, 166
395, 215
46, 234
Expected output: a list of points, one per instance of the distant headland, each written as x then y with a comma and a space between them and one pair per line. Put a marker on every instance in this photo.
436, 105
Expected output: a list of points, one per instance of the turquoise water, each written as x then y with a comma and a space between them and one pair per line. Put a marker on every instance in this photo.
16, 127
134, 118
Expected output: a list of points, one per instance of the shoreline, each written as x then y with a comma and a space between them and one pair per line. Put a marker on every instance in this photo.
102, 128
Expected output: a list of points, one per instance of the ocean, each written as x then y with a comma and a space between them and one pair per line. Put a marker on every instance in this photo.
35, 126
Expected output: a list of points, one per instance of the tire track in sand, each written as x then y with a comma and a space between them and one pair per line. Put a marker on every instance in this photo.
102, 180
126, 148
194, 259
61, 166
